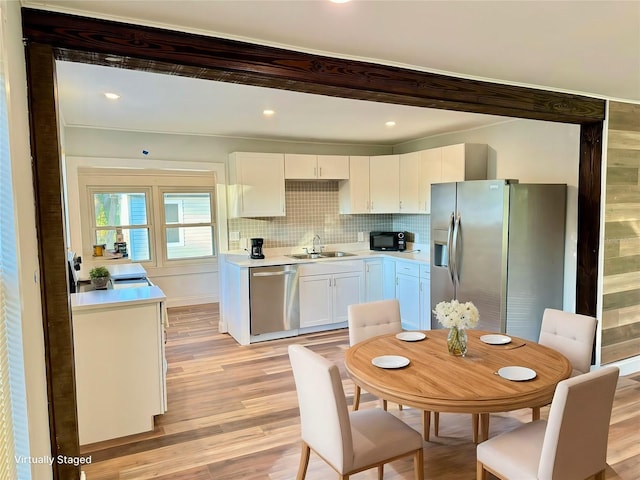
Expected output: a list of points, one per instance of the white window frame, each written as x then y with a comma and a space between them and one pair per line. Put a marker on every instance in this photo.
179, 204
213, 224
156, 181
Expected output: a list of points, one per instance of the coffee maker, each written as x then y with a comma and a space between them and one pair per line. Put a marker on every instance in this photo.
256, 248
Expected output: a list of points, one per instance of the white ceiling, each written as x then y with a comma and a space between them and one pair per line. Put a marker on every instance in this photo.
588, 47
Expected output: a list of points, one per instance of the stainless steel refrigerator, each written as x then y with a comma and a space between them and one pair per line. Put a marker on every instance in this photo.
500, 245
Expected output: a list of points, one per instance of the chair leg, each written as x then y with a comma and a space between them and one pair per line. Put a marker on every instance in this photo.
426, 424
599, 476
384, 405
475, 424
436, 423
381, 471
400, 407
484, 427
304, 461
356, 398
418, 464
481, 473
535, 414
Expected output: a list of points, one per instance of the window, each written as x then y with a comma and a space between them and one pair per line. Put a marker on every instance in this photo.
164, 218
189, 231
122, 213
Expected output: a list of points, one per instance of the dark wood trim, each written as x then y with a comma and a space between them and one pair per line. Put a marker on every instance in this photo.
589, 192
90, 40
45, 151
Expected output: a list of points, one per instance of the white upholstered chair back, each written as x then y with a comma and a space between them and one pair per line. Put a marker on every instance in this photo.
571, 334
575, 440
324, 415
371, 319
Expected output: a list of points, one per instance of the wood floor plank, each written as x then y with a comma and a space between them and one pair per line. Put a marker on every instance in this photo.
233, 414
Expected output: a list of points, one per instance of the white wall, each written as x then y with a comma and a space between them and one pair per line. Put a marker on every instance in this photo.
27, 241
532, 152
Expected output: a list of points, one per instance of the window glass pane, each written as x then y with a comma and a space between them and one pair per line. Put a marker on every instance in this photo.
192, 242
137, 240
120, 209
187, 207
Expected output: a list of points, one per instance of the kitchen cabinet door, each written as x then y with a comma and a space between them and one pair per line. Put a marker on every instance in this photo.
408, 294
300, 166
316, 300
430, 172
374, 286
354, 193
333, 167
384, 183
425, 298
256, 184
409, 187
347, 290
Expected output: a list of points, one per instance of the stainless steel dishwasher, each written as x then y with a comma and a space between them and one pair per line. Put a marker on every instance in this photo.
274, 299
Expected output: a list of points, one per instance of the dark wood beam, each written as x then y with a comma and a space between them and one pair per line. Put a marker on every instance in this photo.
589, 193
58, 335
167, 51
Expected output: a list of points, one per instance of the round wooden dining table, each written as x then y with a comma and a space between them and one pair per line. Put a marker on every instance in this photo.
437, 381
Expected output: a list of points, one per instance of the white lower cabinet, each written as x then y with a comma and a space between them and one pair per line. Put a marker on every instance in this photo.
373, 280
408, 294
325, 295
425, 297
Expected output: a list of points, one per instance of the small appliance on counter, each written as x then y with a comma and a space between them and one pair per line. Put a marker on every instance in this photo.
387, 241
256, 248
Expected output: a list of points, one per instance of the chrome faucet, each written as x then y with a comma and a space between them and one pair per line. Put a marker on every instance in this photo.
313, 244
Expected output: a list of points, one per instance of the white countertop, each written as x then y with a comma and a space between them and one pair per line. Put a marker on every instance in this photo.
116, 298
278, 257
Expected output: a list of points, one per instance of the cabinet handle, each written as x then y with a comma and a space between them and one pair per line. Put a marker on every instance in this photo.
372, 206
315, 172
400, 204
320, 172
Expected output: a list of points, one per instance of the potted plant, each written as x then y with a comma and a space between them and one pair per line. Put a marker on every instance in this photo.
99, 277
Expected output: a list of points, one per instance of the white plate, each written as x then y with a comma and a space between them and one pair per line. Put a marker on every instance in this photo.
390, 361
411, 336
517, 374
495, 339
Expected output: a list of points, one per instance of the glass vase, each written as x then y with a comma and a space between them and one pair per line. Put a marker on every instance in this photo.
457, 341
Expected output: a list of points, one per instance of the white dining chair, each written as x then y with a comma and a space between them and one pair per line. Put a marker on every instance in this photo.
366, 320
572, 335
570, 445
348, 442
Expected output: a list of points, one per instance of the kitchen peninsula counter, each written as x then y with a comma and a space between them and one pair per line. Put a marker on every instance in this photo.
120, 368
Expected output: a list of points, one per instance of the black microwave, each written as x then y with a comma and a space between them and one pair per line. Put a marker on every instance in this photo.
387, 241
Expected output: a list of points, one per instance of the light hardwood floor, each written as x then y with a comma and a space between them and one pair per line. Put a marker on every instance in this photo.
233, 414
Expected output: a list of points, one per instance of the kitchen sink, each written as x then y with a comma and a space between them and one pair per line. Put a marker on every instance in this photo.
314, 256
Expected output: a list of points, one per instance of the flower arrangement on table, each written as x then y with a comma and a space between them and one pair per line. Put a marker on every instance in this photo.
457, 316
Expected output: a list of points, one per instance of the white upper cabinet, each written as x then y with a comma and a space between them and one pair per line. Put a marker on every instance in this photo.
466, 161
354, 193
316, 167
256, 184
453, 163
384, 183
410, 182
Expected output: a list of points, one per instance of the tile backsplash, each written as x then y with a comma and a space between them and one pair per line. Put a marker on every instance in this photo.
312, 209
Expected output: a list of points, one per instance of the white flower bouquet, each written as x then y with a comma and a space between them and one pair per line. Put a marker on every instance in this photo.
455, 314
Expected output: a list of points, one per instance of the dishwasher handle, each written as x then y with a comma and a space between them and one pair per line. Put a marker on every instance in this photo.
273, 274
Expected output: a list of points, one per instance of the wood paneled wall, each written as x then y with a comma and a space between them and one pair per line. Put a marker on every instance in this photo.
621, 294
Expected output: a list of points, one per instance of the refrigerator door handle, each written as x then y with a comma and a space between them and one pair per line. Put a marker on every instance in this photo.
455, 254
449, 246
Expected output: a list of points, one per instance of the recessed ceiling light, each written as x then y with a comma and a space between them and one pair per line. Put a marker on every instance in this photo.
390, 123
268, 112
112, 96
